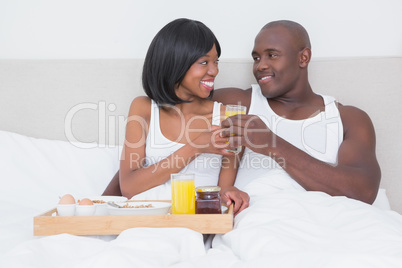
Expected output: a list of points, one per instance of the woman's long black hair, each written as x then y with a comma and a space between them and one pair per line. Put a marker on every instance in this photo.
171, 53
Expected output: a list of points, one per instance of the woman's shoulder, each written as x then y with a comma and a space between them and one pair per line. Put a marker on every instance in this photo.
140, 106
141, 100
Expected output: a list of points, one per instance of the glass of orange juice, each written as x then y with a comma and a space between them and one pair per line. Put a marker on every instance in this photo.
183, 193
233, 110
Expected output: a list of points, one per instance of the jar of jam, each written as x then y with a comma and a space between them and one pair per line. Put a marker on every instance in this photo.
208, 200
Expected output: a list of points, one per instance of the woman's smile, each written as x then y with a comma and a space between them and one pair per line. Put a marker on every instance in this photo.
208, 84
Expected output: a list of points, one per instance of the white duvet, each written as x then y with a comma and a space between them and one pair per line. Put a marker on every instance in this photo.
284, 226
294, 228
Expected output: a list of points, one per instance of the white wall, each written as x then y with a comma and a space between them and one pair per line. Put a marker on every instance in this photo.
71, 29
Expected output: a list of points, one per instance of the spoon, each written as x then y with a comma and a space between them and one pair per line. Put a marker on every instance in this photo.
113, 204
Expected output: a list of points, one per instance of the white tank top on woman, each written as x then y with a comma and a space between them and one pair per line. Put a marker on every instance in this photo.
206, 167
319, 136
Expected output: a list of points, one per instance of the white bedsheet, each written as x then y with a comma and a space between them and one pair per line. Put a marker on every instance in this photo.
284, 226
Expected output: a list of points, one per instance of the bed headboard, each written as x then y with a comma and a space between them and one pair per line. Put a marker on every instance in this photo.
88, 100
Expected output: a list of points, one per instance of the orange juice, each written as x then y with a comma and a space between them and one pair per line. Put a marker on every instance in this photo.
183, 194
230, 111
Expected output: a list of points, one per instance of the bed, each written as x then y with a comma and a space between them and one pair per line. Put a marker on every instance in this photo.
62, 127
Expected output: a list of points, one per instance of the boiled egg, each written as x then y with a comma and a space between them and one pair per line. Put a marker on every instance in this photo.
85, 202
67, 199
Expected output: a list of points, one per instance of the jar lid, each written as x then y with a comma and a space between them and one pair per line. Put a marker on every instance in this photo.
203, 189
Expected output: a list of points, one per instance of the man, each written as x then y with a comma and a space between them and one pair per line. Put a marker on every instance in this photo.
321, 144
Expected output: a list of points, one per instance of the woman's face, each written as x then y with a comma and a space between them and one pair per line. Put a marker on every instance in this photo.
199, 79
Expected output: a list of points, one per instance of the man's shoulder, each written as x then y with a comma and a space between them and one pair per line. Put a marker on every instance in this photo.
231, 95
354, 118
350, 111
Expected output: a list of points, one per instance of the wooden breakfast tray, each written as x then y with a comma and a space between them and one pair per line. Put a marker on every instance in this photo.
46, 224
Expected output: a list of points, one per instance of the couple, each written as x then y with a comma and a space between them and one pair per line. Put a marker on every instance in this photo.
321, 144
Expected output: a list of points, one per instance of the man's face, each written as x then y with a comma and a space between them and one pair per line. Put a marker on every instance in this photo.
276, 61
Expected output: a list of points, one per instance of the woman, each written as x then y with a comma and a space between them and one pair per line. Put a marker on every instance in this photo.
175, 129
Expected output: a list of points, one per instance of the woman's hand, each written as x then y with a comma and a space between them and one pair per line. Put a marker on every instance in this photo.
211, 141
231, 195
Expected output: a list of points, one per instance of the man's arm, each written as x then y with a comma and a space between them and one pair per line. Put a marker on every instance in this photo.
357, 173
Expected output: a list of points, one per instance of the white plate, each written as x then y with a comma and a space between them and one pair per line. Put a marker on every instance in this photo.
101, 208
157, 208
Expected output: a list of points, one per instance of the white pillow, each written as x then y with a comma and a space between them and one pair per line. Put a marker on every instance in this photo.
35, 172
382, 201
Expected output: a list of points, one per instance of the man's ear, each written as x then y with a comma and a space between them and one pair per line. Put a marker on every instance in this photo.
305, 57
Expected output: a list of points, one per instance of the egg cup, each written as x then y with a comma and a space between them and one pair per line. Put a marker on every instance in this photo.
66, 209
85, 210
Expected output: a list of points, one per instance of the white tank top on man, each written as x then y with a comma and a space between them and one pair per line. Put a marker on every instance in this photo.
319, 136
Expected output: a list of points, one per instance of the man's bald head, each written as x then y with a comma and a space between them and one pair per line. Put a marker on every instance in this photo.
297, 31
